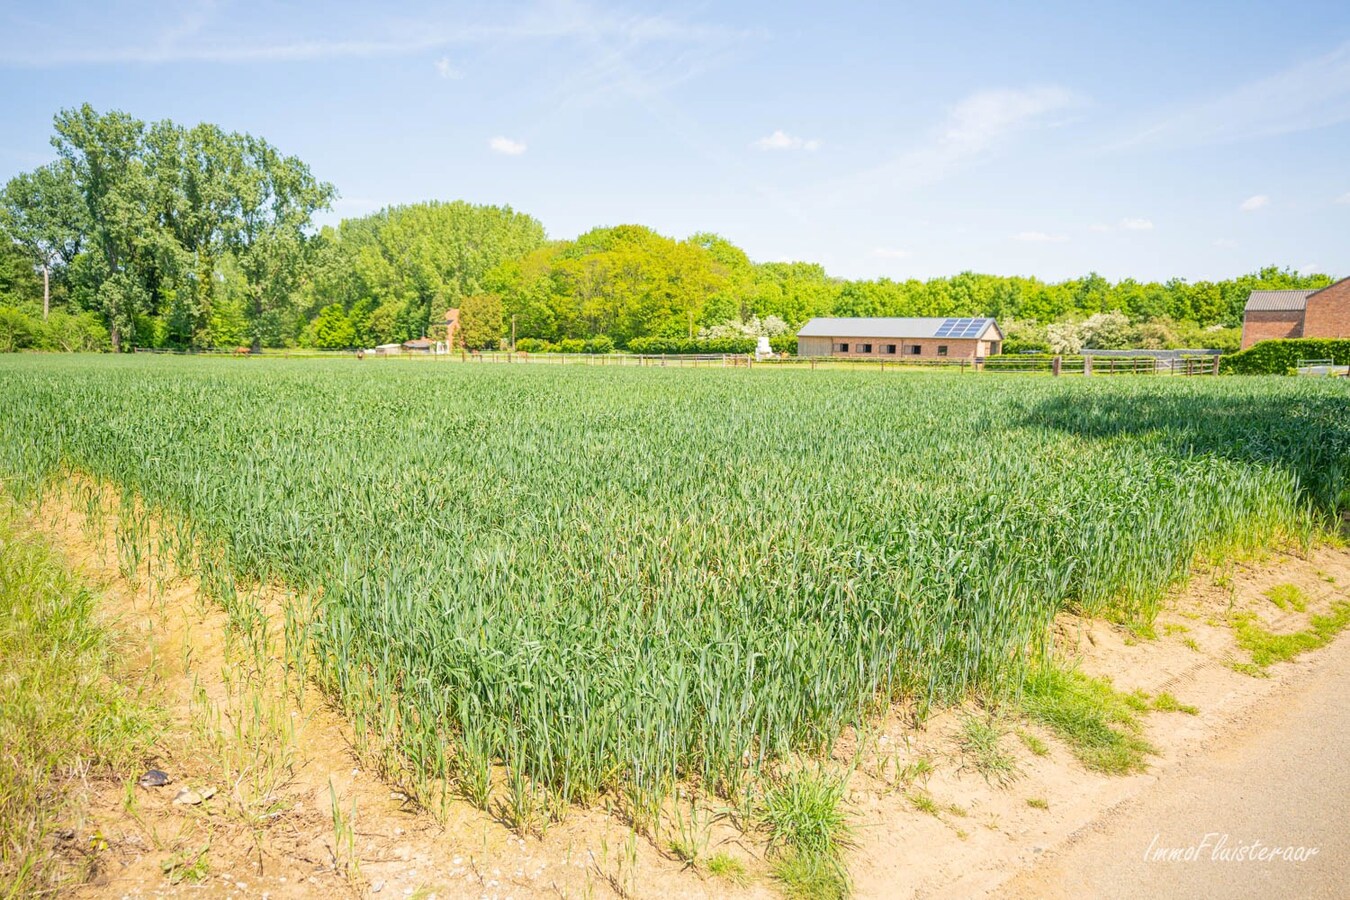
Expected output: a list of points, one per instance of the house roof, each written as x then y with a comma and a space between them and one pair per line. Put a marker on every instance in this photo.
418, 342
1269, 301
954, 328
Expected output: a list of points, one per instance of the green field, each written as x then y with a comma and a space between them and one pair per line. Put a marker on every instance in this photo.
614, 579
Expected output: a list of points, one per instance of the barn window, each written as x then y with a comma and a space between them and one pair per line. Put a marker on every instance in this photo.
890, 349
915, 350
942, 349
864, 348
841, 348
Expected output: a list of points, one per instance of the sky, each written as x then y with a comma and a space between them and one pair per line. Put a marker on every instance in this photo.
1141, 139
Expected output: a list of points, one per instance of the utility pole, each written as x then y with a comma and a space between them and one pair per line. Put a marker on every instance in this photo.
513, 334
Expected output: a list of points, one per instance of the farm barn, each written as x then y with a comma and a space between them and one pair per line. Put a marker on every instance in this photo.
880, 338
1297, 314
419, 345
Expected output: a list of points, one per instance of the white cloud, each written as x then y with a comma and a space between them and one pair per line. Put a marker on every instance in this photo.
1136, 224
1312, 93
1255, 202
981, 120
1344, 199
1040, 237
890, 253
974, 129
781, 140
446, 70
507, 146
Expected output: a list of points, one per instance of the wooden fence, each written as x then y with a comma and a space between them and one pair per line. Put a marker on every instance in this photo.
1013, 365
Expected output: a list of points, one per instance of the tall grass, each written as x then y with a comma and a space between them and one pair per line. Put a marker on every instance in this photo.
64, 719
618, 579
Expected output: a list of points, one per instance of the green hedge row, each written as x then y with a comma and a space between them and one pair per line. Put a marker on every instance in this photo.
601, 343
62, 331
655, 346
677, 345
1277, 357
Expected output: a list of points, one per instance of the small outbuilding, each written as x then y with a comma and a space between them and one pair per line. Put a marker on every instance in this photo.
1271, 315
419, 345
887, 338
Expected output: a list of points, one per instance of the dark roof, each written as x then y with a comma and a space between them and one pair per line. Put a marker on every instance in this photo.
1266, 301
950, 327
418, 342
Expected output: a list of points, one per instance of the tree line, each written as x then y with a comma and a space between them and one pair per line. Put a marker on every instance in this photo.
162, 235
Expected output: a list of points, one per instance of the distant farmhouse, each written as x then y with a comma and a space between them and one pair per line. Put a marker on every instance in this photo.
1297, 314
900, 338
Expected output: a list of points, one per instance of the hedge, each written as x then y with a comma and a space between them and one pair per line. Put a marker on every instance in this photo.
1277, 357
658, 346
601, 343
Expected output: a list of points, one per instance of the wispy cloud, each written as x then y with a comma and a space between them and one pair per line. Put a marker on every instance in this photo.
1129, 223
446, 70
890, 253
781, 140
1254, 202
197, 35
506, 146
974, 130
1309, 268
1310, 94
1040, 237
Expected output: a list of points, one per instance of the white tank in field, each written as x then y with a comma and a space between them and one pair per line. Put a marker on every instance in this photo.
763, 350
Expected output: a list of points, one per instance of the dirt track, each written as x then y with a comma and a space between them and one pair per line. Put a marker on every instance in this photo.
1281, 776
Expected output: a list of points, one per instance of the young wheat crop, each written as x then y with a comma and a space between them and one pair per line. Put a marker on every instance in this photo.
614, 580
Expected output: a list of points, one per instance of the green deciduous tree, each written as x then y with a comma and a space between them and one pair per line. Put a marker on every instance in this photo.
332, 330
43, 213
480, 321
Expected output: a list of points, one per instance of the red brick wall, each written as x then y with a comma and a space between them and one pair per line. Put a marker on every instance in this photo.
1265, 325
928, 348
1328, 312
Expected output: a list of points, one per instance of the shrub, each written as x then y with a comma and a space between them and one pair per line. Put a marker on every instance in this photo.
1013, 345
534, 345
601, 343
17, 330
75, 333
657, 346
784, 343
571, 345
1277, 357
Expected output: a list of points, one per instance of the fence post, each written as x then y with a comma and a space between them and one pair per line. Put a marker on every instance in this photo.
1087, 365
1056, 365
1216, 364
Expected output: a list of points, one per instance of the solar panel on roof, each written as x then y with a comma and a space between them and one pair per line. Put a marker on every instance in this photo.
961, 328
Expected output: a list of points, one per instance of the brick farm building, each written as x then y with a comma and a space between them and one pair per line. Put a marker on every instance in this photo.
1270, 315
900, 339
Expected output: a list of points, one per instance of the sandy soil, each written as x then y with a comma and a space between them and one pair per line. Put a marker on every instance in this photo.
1277, 779
277, 757
958, 856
